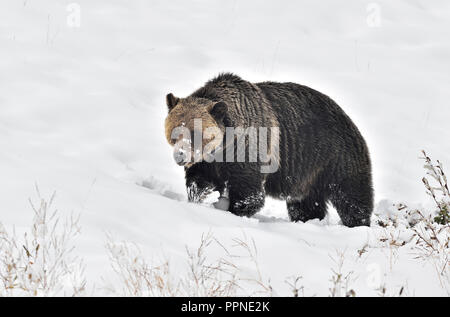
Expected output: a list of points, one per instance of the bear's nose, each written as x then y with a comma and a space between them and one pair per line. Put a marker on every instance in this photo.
182, 151
180, 157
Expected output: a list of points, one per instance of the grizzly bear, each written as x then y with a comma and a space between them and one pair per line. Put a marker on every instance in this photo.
321, 155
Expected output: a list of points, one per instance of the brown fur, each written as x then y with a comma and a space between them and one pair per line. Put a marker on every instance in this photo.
184, 113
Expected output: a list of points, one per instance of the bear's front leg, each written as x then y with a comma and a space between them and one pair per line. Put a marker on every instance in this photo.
246, 194
197, 192
198, 184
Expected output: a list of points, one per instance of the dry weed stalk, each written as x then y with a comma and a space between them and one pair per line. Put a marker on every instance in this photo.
339, 279
440, 191
137, 277
42, 263
219, 278
294, 284
432, 243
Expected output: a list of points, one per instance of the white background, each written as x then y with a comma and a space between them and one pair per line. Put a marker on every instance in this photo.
82, 113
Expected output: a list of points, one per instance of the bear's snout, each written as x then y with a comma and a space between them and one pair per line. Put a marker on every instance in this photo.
182, 151
180, 157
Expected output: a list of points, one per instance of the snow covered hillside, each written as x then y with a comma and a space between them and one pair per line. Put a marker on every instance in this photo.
82, 108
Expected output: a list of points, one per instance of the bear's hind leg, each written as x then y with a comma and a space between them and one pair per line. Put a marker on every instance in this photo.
353, 200
311, 207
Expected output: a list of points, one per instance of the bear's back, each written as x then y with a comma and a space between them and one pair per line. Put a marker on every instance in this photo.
316, 135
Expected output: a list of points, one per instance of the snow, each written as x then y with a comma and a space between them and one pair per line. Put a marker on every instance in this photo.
82, 113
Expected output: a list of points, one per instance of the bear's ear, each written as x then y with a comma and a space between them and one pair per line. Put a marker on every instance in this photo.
171, 101
218, 110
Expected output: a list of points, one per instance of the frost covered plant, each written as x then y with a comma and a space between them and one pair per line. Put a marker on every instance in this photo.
250, 252
427, 239
428, 234
211, 279
294, 284
202, 277
432, 243
340, 280
42, 262
439, 191
137, 277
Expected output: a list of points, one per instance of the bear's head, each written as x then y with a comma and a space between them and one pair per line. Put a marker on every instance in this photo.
195, 128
